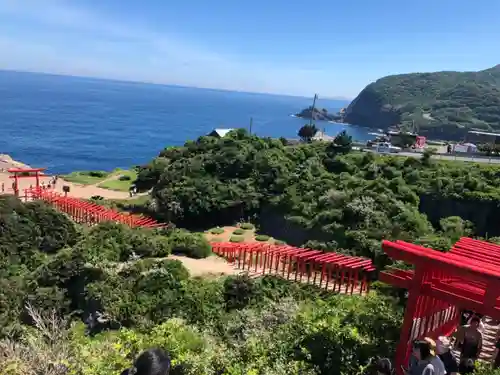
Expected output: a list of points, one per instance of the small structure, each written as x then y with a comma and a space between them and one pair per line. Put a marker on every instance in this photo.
420, 141
467, 148
219, 133
322, 136
25, 173
441, 285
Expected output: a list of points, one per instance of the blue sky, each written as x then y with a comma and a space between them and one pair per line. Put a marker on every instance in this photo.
333, 48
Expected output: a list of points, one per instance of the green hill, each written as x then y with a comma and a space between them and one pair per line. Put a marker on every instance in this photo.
440, 104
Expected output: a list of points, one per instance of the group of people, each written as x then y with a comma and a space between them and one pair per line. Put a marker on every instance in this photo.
429, 357
52, 183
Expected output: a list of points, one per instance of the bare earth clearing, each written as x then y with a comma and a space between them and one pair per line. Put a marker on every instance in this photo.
211, 266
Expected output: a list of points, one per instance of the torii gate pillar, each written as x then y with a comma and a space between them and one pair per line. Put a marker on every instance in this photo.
18, 173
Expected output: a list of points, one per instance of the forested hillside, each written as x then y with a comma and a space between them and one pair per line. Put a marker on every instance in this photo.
54, 276
440, 104
320, 194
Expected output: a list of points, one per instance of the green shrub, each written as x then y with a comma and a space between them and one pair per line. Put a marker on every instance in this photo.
247, 226
239, 291
217, 239
237, 239
97, 174
279, 242
216, 230
262, 238
193, 245
239, 232
124, 178
119, 243
485, 369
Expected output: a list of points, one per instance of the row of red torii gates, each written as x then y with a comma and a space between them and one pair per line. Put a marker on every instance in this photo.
80, 210
440, 285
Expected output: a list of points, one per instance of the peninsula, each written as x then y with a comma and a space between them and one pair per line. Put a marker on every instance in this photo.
443, 104
320, 114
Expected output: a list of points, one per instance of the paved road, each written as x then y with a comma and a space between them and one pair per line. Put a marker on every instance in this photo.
454, 158
493, 160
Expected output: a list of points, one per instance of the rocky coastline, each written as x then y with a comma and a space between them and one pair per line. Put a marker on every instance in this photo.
7, 162
320, 115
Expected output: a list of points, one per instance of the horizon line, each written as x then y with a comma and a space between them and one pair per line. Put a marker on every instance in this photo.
167, 84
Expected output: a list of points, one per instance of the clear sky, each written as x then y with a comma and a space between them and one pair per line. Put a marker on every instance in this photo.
330, 47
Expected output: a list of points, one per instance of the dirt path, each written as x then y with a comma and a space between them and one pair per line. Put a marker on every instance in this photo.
76, 190
212, 265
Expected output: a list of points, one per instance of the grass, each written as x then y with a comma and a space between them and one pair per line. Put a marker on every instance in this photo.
97, 178
247, 226
86, 177
216, 230
116, 183
262, 238
237, 239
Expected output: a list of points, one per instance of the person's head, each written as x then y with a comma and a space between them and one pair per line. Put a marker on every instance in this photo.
432, 345
150, 362
442, 345
474, 322
422, 350
384, 366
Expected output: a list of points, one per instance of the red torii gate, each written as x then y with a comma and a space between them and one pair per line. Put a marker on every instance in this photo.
86, 212
25, 173
441, 285
331, 271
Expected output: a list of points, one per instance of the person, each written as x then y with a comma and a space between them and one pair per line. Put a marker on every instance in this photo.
443, 347
150, 362
423, 353
3, 187
435, 360
413, 359
471, 340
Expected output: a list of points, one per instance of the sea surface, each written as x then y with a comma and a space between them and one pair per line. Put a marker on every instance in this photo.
70, 123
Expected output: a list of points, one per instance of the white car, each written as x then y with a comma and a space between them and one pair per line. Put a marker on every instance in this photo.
385, 147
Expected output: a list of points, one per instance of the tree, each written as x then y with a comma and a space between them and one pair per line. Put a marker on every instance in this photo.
343, 142
426, 159
307, 132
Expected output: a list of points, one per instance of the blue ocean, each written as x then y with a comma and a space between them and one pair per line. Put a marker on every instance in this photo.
71, 123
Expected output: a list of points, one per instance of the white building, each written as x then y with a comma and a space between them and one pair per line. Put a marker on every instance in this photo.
219, 133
